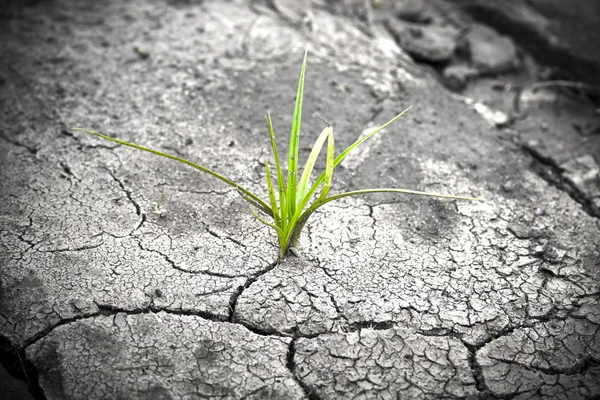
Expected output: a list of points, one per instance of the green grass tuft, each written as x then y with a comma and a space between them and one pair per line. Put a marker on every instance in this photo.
287, 208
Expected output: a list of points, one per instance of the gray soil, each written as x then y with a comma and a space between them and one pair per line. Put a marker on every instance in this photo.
391, 297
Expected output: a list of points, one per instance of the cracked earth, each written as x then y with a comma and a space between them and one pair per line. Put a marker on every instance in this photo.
102, 297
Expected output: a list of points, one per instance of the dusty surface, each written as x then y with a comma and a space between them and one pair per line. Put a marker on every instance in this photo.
392, 297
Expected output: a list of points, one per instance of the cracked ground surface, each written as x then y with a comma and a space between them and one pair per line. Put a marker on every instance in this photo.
392, 297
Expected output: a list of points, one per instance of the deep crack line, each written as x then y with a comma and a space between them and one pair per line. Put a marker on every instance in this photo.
547, 169
291, 366
46, 331
476, 370
577, 368
236, 295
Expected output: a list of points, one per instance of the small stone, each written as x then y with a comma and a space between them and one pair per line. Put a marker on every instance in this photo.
456, 77
553, 253
425, 43
538, 249
584, 174
490, 51
412, 11
79, 305
521, 231
509, 186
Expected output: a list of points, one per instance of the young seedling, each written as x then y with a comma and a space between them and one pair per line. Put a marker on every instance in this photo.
157, 209
288, 206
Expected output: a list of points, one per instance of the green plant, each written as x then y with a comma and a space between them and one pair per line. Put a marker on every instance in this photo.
289, 210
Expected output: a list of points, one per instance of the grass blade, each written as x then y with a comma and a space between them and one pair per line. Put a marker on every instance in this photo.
295, 142
272, 195
304, 217
391, 190
277, 229
329, 165
247, 195
310, 163
299, 219
344, 153
283, 208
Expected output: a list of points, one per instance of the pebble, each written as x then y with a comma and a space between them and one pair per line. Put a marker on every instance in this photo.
491, 52
457, 76
584, 173
412, 10
425, 42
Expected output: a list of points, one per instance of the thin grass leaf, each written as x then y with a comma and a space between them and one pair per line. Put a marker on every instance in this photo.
390, 190
295, 142
247, 195
277, 229
293, 236
299, 219
283, 208
328, 173
354, 145
344, 153
274, 208
329, 166
310, 164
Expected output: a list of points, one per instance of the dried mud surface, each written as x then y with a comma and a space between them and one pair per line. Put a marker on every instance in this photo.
392, 296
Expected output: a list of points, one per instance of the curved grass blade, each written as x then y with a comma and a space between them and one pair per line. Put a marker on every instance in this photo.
389, 190
344, 153
258, 217
310, 163
246, 194
329, 166
293, 236
295, 142
299, 219
327, 185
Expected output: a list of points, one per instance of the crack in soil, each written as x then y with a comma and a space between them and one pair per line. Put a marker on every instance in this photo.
187, 271
375, 325
549, 170
583, 365
291, 366
31, 150
477, 371
236, 295
66, 249
213, 233
138, 209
